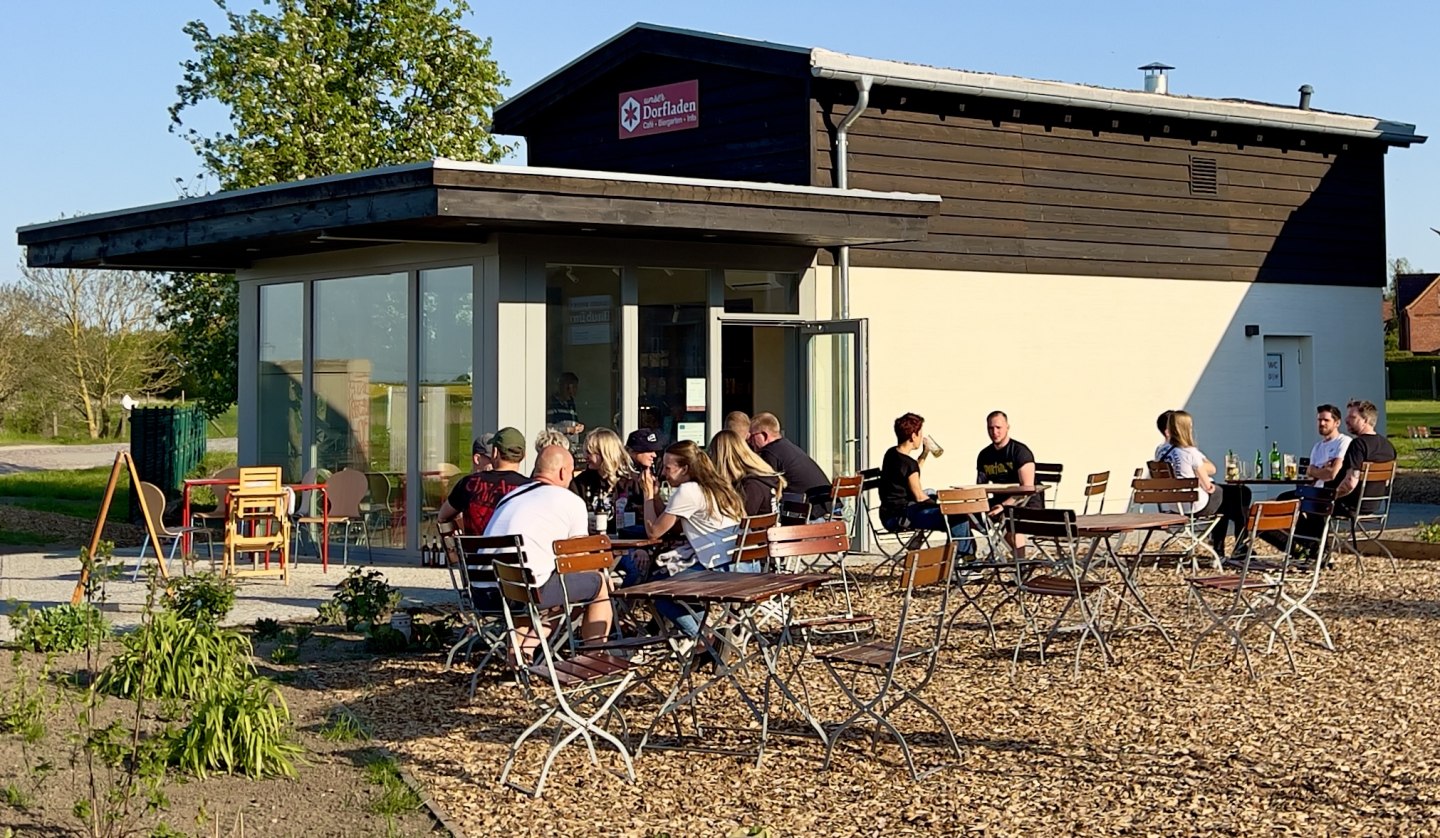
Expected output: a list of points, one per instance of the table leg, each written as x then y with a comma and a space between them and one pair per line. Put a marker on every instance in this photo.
185, 520
1127, 579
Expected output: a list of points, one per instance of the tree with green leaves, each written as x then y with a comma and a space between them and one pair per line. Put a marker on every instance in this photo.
314, 88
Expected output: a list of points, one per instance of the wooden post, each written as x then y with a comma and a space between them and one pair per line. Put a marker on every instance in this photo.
120, 457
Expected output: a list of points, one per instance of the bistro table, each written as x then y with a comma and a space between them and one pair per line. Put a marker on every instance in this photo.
1101, 528
741, 594
235, 481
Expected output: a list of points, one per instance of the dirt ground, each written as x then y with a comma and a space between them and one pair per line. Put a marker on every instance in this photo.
330, 797
1348, 745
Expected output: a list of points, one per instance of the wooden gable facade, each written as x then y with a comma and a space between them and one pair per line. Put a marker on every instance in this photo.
1027, 188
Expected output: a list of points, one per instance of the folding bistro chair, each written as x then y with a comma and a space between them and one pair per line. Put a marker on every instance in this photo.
593, 553
1178, 493
1095, 486
575, 691
1367, 519
1048, 474
976, 575
819, 548
914, 648
843, 502
794, 511
1059, 579
346, 490
1249, 597
892, 544
480, 606
1311, 551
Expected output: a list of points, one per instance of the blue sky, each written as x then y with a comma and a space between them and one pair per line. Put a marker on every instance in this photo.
85, 84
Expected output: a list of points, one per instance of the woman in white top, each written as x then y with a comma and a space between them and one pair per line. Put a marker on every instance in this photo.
708, 510
1229, 502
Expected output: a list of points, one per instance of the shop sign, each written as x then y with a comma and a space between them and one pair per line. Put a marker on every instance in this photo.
659, 110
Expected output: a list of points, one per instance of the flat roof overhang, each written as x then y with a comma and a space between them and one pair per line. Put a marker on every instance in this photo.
450, 202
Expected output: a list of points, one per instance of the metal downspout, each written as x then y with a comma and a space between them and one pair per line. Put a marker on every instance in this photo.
842, 180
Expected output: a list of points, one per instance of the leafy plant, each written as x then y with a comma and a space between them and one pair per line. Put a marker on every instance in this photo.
1428, 533
365, 598
384, 640
396, 798
431, 637
243, 730
202, 596
267, 628
186, 658
284, 654
59, 628
331, 614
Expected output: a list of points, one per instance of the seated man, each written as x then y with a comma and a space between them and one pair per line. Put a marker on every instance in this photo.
546, 511
903, 503
739, 422
496, 474
1327, 457
1007, 460
803, 477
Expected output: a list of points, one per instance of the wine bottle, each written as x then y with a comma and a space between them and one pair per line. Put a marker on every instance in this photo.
1259, 465
1275, 468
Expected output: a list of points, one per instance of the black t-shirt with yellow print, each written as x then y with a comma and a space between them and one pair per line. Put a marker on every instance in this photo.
1002, 465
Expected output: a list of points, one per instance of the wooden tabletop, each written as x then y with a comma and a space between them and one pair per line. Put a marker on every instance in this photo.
1118, 522
1008, 488
718, 586
632, 543
1267, 481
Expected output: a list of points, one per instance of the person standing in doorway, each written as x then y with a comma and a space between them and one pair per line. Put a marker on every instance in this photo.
561, 414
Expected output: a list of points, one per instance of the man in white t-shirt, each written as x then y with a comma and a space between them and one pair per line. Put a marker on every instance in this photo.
544, 512
1328, 455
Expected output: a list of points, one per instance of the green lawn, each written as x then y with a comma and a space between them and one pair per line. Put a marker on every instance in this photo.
1402, 414
74, 492
223, 425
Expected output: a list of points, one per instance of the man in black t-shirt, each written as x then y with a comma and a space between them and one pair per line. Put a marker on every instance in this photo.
1366, 446
1007, 460
496, 474
802, 475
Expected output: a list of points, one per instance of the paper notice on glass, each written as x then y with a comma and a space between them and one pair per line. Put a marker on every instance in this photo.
590, 320
694, 394
693, 431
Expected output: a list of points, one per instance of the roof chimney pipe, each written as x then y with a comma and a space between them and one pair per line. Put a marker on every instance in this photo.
1305, 91
1155, 78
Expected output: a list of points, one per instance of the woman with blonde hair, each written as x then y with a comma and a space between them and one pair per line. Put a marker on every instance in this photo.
708, 510
608, 470
1186, 461
758, 485
551, 436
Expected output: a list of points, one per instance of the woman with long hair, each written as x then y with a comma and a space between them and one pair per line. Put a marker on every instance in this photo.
1186, 460
608, 470
708, 510
758, 484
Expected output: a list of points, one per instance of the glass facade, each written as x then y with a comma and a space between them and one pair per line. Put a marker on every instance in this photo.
762, 292
447, 328
674, 356
582, 358
281, 388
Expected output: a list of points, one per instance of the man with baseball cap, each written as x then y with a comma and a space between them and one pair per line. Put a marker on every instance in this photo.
497, 472
644, 446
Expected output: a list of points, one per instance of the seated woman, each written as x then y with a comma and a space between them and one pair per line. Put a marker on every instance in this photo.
608, 470
758, 484
1231, 503
708, 511
903, 503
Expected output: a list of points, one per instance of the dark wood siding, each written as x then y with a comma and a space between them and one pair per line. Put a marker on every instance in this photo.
753, 125
1074, 192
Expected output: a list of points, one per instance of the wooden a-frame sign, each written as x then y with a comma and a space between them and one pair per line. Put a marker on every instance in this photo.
121, 457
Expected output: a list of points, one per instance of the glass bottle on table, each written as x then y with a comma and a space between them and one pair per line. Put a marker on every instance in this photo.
1259, 465
1276, 470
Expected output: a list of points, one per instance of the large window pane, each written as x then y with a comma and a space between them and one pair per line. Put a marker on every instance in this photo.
673, 387
582, 358
280, 396
359, 375
447, 316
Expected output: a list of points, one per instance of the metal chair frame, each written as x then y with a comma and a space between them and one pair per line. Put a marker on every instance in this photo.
345, 490
1370, 515
903, 540
1095, 486
573, 691
153, 498
885, 659
1194, 533
1061, 575
974, 578
1303, 579
470, 570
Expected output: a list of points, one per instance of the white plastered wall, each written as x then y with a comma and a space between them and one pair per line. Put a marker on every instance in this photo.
1083, 364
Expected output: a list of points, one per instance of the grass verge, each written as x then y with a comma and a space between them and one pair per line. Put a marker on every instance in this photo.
1402, 414
395, 798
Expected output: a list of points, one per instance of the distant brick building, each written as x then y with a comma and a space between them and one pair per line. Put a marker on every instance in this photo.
1417, 298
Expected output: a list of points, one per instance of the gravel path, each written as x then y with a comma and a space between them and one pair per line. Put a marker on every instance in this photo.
16, 458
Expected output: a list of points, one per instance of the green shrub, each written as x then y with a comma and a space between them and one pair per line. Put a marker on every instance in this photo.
284, 654
186, 658
244, 729
203, 596
59, 628
344, 726
1428, 533
365, 598
384, 640
267, 628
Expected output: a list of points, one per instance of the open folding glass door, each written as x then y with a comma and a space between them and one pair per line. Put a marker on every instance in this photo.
823, 372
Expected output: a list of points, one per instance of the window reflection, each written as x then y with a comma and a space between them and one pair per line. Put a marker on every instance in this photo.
582, 359
673, 348
280, 393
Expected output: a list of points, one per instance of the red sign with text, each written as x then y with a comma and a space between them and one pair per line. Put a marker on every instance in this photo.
657, 110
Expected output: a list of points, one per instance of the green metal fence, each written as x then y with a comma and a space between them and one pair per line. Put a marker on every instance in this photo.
167, 443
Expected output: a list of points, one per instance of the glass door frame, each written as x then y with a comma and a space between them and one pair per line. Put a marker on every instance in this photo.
806, 330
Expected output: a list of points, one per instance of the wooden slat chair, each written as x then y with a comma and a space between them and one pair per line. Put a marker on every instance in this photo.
221, 492
152, 500
793, 511
572, 691
593, 553
1159, 469
259, 522
1095, 486
893, 545
1178, 493
1061, 580
843, 502
1248, 598
752, 550
915, 648
975, 575
820, 548
479, 603
346, 490
1367, 518
1049, 474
